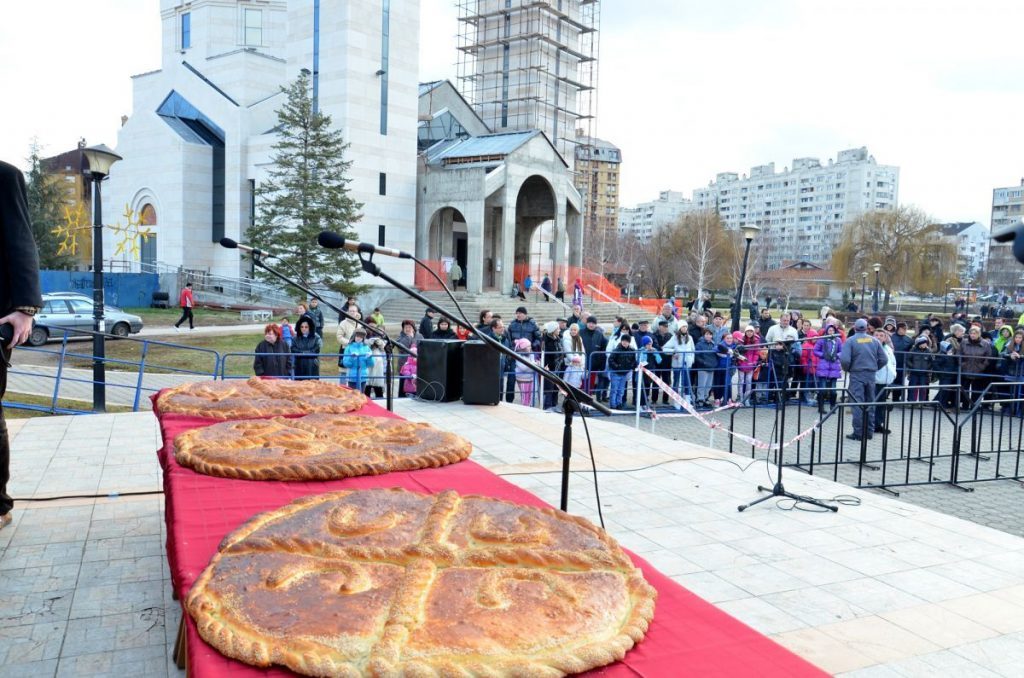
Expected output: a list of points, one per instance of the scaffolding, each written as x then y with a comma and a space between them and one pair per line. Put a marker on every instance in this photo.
531, 64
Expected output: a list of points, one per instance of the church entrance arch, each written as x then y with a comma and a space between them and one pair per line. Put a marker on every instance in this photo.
536, 211
448, 238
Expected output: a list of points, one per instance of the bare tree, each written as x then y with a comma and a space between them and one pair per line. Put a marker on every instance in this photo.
908, 245
704, 246
661, 258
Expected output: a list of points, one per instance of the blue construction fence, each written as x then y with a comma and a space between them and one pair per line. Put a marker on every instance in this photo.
119, 289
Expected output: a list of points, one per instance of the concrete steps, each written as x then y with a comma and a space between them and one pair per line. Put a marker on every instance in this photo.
396, 310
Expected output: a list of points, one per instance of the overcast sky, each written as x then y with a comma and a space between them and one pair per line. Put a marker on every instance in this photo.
687, 89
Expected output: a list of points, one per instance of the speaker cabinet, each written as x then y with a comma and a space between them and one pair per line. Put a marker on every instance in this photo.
439, 369
481, 374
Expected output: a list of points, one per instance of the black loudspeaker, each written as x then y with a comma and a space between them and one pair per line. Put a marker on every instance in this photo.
481, 374
439, 369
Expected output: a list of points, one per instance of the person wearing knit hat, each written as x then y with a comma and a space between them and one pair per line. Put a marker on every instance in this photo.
889, 324
525, 377
551, 343
918, 365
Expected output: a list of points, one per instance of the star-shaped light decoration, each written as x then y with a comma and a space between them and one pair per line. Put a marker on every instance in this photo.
75, 220
131, 233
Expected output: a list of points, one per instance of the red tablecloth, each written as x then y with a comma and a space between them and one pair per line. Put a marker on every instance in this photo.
688, 636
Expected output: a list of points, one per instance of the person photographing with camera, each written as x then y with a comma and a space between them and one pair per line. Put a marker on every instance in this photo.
20, 299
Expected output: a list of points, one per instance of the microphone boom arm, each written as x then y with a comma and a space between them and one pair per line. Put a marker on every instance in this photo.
371, 267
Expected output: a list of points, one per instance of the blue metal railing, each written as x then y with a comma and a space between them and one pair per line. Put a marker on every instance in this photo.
134, 371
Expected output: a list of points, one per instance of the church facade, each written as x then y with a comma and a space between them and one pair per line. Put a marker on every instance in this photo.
200, 135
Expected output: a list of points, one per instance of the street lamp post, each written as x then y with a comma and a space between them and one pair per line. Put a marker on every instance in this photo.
876, 302
100, 159
749, 232
967, 300
863, 289
945, 297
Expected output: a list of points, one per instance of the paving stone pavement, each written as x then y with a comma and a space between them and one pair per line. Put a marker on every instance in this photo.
994, 503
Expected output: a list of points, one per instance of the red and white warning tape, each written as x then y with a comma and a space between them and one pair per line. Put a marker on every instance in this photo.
717, 425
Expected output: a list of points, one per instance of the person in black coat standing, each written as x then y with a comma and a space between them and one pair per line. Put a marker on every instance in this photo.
20, 298
427, 323
309, 344
273, 359
595, 344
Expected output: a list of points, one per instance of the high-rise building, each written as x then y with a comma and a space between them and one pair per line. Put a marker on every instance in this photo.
1003, 271
530, 64
971, 239
802, 210
597, 179
646, 218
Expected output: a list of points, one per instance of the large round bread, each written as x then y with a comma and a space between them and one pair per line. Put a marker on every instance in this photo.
254, 397
388, 582
316, 447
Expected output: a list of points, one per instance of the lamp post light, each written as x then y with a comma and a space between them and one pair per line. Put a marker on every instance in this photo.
100, 160
863, 289
749, 232
875, 301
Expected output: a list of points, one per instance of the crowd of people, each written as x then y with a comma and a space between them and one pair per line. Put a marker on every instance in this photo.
694, 353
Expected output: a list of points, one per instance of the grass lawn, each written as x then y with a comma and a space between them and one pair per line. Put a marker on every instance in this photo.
165, 317
45, 401
168, 359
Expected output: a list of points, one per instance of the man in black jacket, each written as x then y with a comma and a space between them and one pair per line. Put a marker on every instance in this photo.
317, 315
427, 323
902, 344
595, 344
20, 298
524, 327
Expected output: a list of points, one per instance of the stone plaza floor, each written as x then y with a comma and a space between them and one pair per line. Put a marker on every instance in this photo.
884, 588
995, 503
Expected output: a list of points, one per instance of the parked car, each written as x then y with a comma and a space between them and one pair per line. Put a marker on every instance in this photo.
61, 312
83, 297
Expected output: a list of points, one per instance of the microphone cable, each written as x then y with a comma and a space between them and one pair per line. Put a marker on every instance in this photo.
568, 394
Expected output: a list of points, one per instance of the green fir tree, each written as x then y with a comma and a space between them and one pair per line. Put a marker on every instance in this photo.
46, 199
306, 192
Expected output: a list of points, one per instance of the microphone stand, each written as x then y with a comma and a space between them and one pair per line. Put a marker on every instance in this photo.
577, 396
389, 343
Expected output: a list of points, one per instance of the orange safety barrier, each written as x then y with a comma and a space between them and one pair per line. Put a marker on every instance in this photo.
426, 282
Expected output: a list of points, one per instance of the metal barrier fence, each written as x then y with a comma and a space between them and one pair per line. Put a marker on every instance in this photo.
65, 375
916, 442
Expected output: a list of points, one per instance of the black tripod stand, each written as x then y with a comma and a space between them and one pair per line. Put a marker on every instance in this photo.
780, 420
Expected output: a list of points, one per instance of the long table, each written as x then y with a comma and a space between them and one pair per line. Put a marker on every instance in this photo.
687, 637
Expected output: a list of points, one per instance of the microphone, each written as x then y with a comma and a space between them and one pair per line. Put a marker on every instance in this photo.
332, 241
232, 244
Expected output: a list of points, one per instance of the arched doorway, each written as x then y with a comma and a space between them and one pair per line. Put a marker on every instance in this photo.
147, 248
448, 238
535, 235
